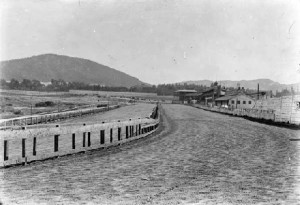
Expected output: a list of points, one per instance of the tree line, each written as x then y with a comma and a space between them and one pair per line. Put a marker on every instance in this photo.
161, 89
53, 85
286, 92
61, 85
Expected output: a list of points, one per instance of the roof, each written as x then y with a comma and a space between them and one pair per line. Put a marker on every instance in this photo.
228, 97
193, 94
210, 89
185, 91
224, 98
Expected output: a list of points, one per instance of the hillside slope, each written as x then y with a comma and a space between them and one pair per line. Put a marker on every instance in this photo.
50, 66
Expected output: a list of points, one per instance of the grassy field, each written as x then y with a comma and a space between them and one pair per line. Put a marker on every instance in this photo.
145, 96
16, 103
19, 103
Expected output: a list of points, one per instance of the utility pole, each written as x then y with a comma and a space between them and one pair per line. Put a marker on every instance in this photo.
31, 108
257, 91
31, 105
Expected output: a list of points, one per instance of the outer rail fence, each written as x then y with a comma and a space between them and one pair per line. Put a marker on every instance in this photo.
41, 142
270, 115
47, 118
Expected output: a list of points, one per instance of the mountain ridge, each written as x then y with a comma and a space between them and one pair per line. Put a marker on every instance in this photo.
49, 66
264, 84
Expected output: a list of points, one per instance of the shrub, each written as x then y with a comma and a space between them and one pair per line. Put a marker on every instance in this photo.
17, 112
44, 104
102, 105
49, 103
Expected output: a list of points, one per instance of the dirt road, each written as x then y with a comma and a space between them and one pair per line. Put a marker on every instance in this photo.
200, 157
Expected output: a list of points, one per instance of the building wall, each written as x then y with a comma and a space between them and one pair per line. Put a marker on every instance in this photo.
241, 101
220, 103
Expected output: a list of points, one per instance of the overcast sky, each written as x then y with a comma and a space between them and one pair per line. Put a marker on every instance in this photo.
161, 41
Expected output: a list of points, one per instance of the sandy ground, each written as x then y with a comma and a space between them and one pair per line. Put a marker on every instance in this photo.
199, 157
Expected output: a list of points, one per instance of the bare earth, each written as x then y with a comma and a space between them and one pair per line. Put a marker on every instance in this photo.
199, 157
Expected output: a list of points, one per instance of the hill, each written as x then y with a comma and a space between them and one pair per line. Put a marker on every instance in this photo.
50, 66
264, 84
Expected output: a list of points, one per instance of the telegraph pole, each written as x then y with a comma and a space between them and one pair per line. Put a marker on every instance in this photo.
31, 108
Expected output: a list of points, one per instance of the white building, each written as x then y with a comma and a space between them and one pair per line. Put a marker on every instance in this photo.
235, 101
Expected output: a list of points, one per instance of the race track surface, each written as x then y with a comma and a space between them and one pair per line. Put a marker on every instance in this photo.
197, 157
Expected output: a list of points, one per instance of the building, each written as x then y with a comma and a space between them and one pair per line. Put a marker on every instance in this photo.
208, 97
258, 95
185, 96
193, 97
235, 101
255, 95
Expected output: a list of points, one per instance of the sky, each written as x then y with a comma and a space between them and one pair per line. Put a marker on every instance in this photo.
161, 41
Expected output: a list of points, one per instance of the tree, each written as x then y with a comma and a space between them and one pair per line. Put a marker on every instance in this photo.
14, 84
26, 84
36, 85
3, 83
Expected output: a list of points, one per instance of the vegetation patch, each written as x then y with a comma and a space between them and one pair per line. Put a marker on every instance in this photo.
17, 112
45, 104
102, 105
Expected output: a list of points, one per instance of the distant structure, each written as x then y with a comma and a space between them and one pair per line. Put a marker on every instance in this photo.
219, 96
185, 96
240, 98
241, 90
208, 97
235, 101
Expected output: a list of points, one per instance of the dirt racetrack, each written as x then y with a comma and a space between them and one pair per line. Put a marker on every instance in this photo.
199, 157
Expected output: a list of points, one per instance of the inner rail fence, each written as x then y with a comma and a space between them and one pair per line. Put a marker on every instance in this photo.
52, 117
45, 141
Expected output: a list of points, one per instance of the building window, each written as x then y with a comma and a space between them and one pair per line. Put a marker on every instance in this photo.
34, 147
119, 134
102, 136
111, 135
140, 129
249, 102
73, 141
232, 101
23, 148
83, 139
56, 143
244, 102
89, 139
132, 131
5, 150
238, 102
